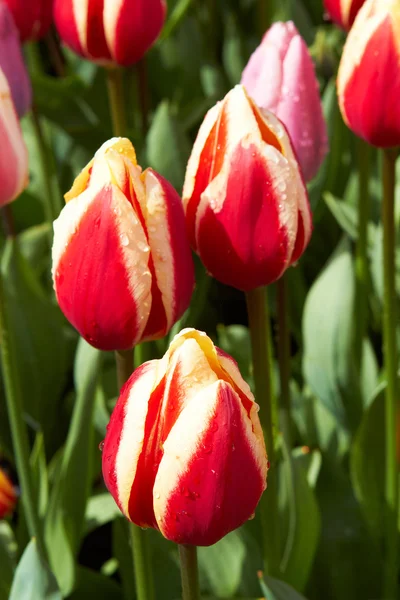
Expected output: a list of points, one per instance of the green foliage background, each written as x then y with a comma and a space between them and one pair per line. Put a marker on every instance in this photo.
331, 491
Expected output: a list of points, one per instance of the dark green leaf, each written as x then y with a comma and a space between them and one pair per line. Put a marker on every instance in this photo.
273, 589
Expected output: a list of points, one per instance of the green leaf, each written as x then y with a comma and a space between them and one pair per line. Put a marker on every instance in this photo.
168, 148
327, 330
101, 509
64, 525
39, 474
33, 579
345, 214
38, 340
177, 15
303, 521
367, 460
274, 589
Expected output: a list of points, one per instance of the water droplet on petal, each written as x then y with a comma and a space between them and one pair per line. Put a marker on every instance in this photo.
124, 239
101, 446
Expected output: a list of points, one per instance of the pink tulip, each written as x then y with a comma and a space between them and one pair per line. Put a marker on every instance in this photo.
280, 77
12, 62
13, 152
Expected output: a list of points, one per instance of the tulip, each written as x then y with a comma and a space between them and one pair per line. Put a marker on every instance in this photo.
12, 62
246, 205
122, 266
368, 80
8, 495
112, 31
13, 152
32, 18
184, 451
343, 12
280, 77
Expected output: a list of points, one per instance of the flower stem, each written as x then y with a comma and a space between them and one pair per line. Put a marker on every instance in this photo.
116, 97
284, 358
390, 362
139, 540
189, 572
361, 264
18, 428
257, 309
143, 94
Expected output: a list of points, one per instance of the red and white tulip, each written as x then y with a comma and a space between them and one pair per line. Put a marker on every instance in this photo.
184, 451
122, 265
247, 210
369, 75
111, 31
343, 12
33, 18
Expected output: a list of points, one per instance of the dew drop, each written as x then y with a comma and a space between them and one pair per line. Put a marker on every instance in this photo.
157, 496
124, 239
251, 517
101, 446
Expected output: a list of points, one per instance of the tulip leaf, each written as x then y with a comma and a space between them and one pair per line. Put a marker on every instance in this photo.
39, 472
168, 148
177, 15
33, 579
38, 340
367, 460
327, 329
345, 214
303, 519
100, 509
274, 589
65, 518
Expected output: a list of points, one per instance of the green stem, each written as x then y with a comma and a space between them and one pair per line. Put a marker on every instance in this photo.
18, 428
8, 221
257, 308
116, 97
189, 572
361, 264
390, 362
139, 539
284, 358
143, 94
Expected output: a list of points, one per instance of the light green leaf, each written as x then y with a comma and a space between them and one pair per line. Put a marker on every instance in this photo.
344, 213
101, 509
65, 519
168, 148
327, 329
7, 559
33, 579
274, 589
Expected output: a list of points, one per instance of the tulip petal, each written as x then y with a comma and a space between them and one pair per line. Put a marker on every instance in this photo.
106, 295
125, 434
248, 239
211, 456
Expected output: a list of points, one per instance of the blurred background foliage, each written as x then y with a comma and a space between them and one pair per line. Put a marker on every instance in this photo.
331, 488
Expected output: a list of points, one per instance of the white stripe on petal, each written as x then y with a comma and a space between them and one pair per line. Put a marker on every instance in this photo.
111, 12
80, 9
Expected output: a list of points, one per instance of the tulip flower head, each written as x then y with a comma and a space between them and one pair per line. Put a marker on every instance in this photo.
13, 152
280, 77
111, 31
246, 205
369, 75
184, 451
122, 266
8, 495
343, 12
12, 62
32, 17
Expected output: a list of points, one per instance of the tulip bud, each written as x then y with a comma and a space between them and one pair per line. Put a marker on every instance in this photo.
32, 18
343, 12
13, 152
112, 31
280, 77
122, 266
8, 495
184, 451
246, 205
368, 79
12, 62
